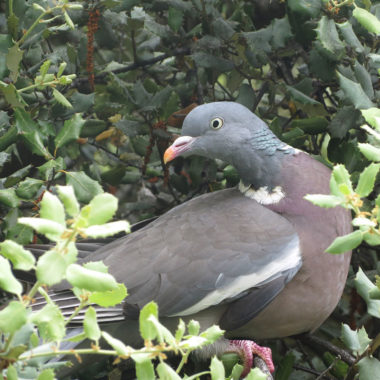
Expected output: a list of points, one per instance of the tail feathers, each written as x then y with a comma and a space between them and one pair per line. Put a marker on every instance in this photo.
67, 302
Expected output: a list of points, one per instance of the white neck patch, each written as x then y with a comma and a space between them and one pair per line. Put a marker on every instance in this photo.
262, 195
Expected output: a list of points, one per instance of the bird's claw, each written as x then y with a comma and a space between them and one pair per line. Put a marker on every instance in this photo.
247, 349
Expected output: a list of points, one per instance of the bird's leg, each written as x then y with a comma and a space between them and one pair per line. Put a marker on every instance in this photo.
247, 349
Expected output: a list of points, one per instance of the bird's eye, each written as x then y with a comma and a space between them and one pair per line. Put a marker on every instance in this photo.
216, 123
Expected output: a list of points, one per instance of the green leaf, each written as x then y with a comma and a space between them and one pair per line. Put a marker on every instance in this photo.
311, 125
370, 152
52, 209
345, 243
17, 176
175, 18
44, 69
70, 131
7, 139
9, 198
11, 373
12, 317
212, 62
217, 369
331, 45
98, 266
144, 368
212, 334
300, 97
8, 281
90, 325
367, 180
342, 176
92, 280
110, 297
222, 29
51, 268
103, 207
367, 20
344, 189
372, 117
193, 327
21, 258
350, 37
163, 334
236, 372
4, 157
363, 286
17, 349
107, 229
281, 32
372, 238
307, 8
13, 24
354, 93
33, 140
117, 345
12, 96
246, 96
326, 201
82, 103
38, 7
61, 69
369, 368
68, 20
50, 168
285, 366
363, 222
85, 188
52, 230
181, 328
50, 322
357, 341
47, 374
60, 98
30, 133
147, 329
14, 58
93, 127
165, 372
256, 374
364, 78
67, 196
20, 233
375, 292
28, 188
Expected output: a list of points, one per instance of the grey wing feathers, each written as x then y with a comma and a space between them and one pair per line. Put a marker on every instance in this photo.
213, 249
248, 306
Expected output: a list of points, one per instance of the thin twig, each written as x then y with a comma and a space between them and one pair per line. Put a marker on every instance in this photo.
345, 356
327, 370
100, 77
261, 93
309, 370
225, 90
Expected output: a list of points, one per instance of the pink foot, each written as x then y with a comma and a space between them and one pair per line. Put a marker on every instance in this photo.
247, 349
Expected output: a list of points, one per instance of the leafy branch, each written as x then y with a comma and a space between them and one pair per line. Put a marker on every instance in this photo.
93, 287
343, 194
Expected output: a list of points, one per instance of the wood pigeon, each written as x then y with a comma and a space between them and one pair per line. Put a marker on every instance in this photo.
250, 259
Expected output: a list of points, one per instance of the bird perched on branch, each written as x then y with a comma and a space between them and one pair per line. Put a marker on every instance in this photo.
250, 259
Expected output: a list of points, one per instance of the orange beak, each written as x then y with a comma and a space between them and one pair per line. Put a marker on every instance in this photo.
180, 146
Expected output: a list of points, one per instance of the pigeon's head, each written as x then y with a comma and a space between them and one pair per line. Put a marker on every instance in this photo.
223, 130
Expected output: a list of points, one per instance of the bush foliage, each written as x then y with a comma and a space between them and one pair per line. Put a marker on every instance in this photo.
93, 92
